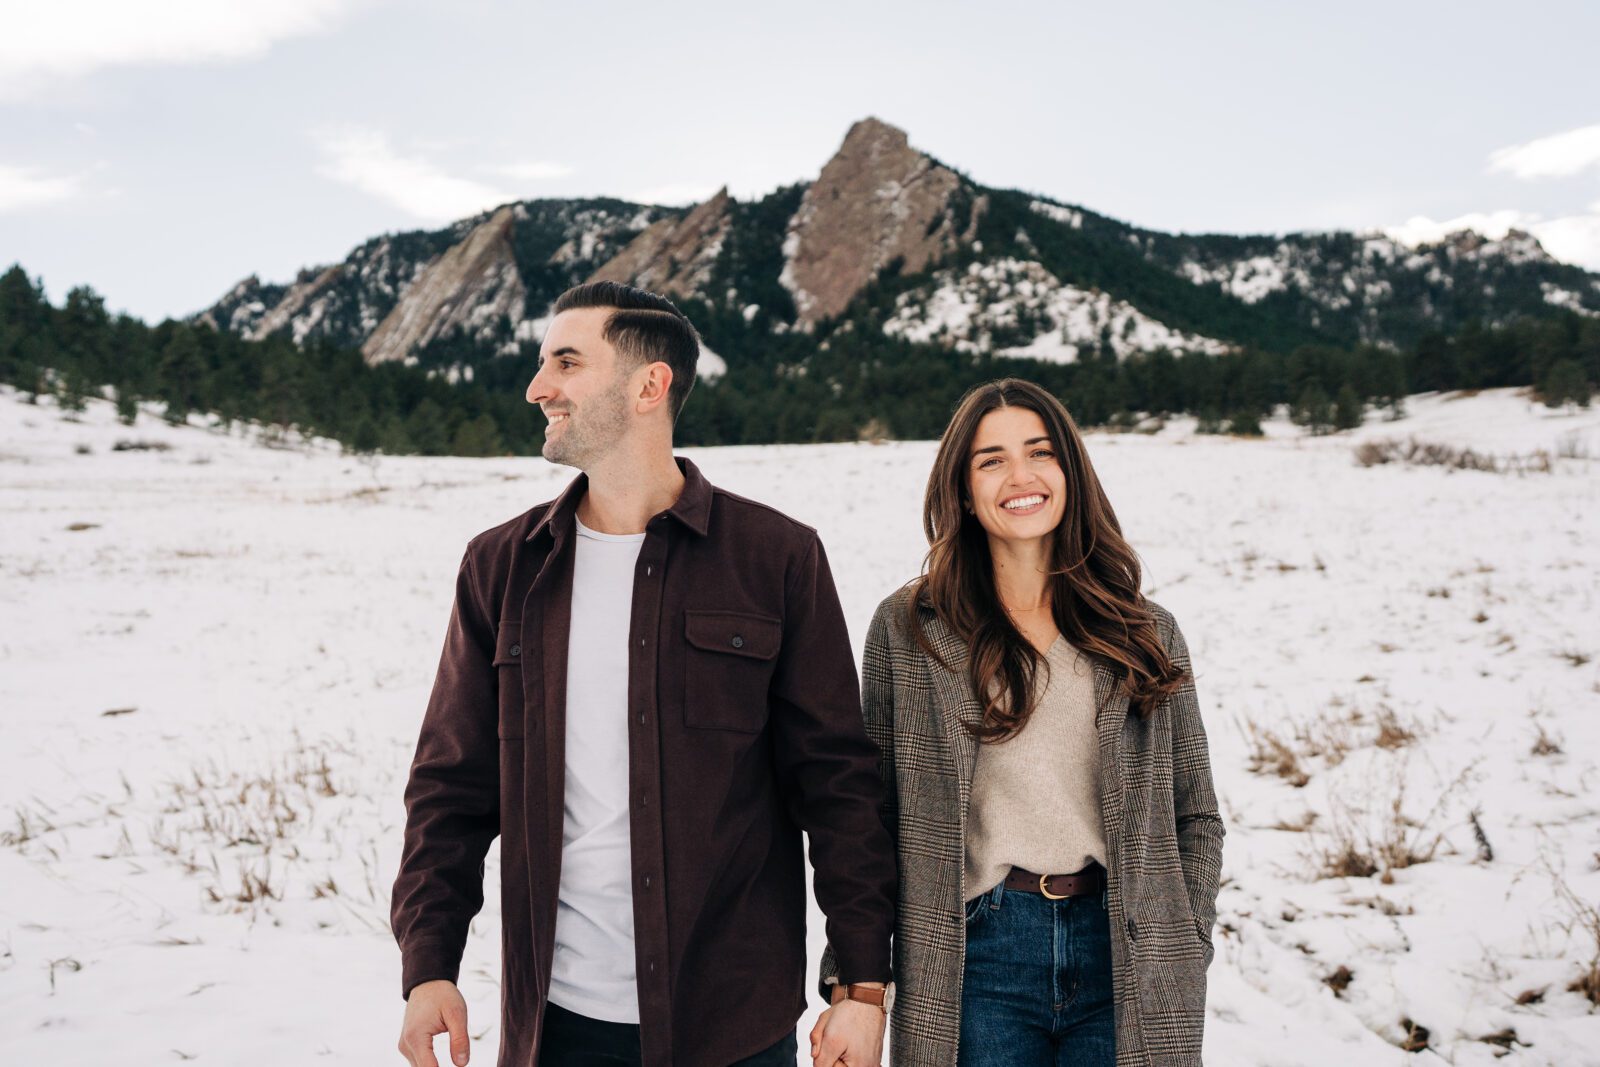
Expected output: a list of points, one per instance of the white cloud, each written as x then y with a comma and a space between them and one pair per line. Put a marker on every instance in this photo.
1574, 239
533, 170
43, 42
1560, 155
25, 187
364, 159
1420, 230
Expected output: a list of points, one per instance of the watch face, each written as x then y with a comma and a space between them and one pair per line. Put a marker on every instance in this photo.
888, 997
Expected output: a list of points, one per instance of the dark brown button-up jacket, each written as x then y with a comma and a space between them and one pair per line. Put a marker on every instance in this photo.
744, 729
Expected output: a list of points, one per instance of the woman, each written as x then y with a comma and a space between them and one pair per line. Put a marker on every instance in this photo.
1045, 767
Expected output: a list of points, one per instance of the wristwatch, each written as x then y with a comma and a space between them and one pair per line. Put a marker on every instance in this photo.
878, 998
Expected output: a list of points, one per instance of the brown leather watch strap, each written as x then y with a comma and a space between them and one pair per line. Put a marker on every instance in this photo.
866, 994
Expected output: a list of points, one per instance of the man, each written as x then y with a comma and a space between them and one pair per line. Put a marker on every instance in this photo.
647, 691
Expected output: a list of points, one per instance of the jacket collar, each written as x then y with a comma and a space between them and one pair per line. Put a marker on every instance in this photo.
692, 508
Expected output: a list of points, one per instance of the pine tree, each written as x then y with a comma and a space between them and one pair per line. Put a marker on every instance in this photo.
182, 369
1565, 384
425, 427
72, 390
127, 405
1313, 410
365, 438
1245, 423
477, 437
1348, 408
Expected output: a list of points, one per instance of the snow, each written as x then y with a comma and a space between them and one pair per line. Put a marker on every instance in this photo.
1248, 279
1565, 298
273, 617
710, 365
966, 309
1056, 211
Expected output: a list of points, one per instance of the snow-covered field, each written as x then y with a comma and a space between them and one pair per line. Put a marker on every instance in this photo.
213, 662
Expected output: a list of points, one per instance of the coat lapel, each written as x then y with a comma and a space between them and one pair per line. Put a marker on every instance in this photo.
1111, 713
958, 707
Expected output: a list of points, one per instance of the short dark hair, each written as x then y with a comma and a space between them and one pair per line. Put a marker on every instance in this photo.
644, 327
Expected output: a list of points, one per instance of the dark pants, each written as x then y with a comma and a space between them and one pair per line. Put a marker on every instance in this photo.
572, 1040
1037, 989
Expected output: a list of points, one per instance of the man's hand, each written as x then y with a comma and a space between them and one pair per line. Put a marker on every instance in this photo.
849, 1033
433, 1008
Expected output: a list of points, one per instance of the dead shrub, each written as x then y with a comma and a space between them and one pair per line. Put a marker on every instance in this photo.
1544, 744
1339, 980
1382, 840
1329, 736
1392, 732
1414, 1036
1505, 1039
1583, 918
1412, 452
1272, 754
1298, 825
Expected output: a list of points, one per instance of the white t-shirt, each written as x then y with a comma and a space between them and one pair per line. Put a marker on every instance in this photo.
593, 971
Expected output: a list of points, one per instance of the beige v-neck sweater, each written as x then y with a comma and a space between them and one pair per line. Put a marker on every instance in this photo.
1035, 799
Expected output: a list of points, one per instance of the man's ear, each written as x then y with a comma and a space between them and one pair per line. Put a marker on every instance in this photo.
653, 389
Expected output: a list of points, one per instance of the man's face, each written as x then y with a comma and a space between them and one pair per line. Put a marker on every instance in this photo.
581, 388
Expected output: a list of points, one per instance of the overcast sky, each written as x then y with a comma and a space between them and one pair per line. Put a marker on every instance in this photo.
161, 151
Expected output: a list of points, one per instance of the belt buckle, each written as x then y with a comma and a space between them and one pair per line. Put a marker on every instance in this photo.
1043, 878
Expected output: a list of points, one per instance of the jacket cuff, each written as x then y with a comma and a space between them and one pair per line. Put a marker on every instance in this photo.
427, 961
861, 957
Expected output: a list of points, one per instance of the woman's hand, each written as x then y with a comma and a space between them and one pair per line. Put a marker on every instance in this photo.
850, 1033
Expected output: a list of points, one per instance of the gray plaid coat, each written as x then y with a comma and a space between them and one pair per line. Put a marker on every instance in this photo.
1163, 838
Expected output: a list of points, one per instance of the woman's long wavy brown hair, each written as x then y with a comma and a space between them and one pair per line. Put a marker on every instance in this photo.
1093, 584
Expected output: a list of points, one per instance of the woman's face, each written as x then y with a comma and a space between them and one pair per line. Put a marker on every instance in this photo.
1014, 478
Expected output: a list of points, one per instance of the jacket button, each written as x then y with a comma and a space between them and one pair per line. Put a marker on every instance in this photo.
516, 650
737, 642
1133, 931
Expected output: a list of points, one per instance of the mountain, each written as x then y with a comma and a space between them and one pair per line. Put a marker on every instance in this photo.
889, 243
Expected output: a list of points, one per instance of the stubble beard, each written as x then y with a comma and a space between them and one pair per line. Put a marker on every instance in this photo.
590, 435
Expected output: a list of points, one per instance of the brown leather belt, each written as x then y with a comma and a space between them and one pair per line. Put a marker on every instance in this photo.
1092, 879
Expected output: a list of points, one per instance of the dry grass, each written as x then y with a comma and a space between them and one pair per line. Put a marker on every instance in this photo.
1339, 980
1382, 839
1505, 1039
1414, 1036
1583, 919
1271, 754
1543, 743
1414, 453
1298, 825
1330, 736
238, 830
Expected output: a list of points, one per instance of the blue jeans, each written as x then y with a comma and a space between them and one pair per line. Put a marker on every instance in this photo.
1037, 989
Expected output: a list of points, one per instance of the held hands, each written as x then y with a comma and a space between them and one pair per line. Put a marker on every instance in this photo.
848, 1034
434, 1008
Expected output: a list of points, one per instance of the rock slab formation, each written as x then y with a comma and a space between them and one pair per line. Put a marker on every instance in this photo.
674, 257
877, 201
473, 283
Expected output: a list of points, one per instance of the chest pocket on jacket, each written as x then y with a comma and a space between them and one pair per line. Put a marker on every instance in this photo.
728, 669
508, 654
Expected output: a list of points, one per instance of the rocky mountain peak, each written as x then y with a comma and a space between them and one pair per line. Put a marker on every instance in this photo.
877, 201
475, 281
674, 256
